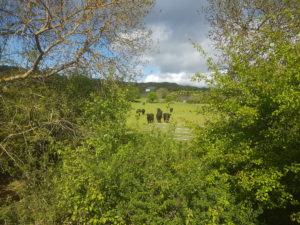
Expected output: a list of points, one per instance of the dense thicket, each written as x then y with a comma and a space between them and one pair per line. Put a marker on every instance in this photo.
257, 144
68, 158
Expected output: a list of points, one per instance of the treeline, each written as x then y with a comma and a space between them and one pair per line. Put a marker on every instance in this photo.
170, 86
167, 92
193, 97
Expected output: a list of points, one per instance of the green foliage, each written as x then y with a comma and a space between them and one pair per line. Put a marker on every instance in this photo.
102, 173
152, 96
38, 118
194, 99
169, 98
133, 93
256, 145
199, 96
171, 87
67, 156
162, 92
147, 180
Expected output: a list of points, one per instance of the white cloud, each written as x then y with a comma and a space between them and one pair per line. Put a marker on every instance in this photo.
174, 24
176, 54
160, 32
182, 78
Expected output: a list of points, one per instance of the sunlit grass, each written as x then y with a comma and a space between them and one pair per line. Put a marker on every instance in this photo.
183, 113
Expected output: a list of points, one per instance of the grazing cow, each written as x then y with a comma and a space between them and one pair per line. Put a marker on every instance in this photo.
159, 115
139, 111
171, 110
143, 111
166, 117
150, 117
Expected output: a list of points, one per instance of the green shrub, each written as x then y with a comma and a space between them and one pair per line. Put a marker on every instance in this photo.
256, 146
169, 98
152, 96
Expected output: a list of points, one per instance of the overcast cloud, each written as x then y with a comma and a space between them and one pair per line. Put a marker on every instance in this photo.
173, 59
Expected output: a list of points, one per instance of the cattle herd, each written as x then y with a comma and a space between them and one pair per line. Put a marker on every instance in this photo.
159, 115
139, 111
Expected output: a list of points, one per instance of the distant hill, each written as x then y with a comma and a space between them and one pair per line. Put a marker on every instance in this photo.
170, 86
153, 86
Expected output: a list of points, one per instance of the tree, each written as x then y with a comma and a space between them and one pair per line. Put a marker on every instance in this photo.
133, 93
152, 96
169, 98
258, 94
162, 92
46, 37
237, 24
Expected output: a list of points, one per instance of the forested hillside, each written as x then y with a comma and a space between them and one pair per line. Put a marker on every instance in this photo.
170, 86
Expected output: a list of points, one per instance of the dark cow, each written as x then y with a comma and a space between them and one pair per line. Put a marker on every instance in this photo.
171, 110
166, 117
159, 115
139, 111
143, 111
150, 117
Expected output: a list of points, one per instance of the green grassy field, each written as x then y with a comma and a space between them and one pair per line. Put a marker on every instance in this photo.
183, 113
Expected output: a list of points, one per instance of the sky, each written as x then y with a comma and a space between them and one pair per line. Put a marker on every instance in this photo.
174, 23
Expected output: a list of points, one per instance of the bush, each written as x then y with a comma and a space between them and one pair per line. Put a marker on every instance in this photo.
194, 99
255, 147
133, 93
169, 98
152, 96
107, 175
162, 92
148, 180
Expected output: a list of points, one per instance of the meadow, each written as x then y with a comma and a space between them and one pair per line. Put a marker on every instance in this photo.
183, 113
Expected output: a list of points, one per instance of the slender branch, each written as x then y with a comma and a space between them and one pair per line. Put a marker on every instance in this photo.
10, 156
47, 8
19, 133
38, 45
62, 39
46, 27
43, 124
57, 70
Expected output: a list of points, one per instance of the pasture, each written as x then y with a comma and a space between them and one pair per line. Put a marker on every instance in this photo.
183, 114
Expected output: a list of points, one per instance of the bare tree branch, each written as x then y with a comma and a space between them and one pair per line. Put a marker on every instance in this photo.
69, 32
10, 156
